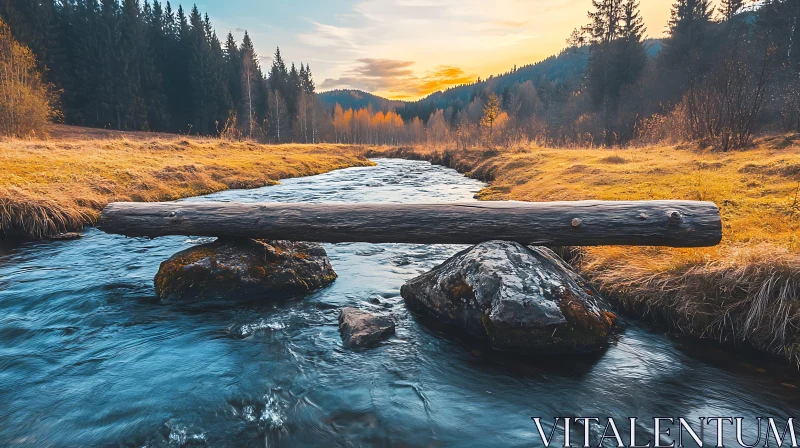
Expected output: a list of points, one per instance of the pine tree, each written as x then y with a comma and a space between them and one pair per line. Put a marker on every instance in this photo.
133, 70
617, 56
278, 84
251, 80
604, 26
729, 8
75, 29
632, 55
109, 66
198, 67
689, 28
292, 95
278, 75
157, 53
603, 30
233, 67
220, 97
179, 81
780, 21
310, 90
303, 104
687, 53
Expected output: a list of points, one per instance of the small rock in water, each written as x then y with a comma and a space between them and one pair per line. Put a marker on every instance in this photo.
244, 269
361, 329
519, 299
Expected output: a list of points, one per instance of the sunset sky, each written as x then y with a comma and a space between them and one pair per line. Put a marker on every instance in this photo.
406, 49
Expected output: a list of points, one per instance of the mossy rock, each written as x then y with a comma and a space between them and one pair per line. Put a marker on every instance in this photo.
244, 270
516, 298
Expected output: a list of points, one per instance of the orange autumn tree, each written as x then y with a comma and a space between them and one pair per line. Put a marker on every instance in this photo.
491, 112
26, 100
363, 126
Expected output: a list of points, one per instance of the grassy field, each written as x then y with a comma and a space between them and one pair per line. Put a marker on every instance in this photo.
745, 290
61, 183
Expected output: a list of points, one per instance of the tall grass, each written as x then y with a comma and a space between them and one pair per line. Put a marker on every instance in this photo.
744, 291
50, 186
744, 295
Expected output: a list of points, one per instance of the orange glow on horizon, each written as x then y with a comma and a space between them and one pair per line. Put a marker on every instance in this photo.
461, 44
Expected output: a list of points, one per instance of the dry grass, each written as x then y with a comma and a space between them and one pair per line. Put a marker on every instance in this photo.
745, 290
61, 183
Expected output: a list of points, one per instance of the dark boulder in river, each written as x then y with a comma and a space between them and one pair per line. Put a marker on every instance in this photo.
244, 269
516, 298
361, 329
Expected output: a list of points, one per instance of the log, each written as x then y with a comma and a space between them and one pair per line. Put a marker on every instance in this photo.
583, 223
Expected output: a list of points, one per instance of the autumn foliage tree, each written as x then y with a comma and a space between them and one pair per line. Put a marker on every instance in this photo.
491, 111
363, 126
25, 99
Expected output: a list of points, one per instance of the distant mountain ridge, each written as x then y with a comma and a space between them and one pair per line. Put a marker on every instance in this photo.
569, 65
358, 99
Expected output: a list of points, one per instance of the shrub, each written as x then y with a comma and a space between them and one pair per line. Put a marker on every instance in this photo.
26, 100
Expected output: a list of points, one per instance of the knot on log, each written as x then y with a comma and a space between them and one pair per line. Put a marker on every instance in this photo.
577, 222
675, 216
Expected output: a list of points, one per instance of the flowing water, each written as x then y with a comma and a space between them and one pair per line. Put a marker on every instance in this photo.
89, 357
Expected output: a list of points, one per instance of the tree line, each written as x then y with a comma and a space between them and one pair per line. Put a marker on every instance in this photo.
719, 77
124, 65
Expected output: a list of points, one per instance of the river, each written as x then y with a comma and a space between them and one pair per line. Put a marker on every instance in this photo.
89, 357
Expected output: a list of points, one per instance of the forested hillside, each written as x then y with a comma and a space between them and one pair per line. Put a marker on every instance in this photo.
127, 66
721, 76
566, 67
358, 99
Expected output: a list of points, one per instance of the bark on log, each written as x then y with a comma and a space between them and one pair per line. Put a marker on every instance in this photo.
584, 223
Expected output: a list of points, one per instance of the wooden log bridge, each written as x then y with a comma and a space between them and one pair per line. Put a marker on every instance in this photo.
583, 223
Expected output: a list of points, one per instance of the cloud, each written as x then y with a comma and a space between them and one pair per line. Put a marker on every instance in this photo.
374, 75
384, 68
450, 42
442, 78
325, 35
397, 78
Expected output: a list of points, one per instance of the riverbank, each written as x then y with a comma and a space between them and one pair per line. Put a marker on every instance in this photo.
744, 291
80, 318
61, 183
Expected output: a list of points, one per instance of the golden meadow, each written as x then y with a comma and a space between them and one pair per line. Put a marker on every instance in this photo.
746, 289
